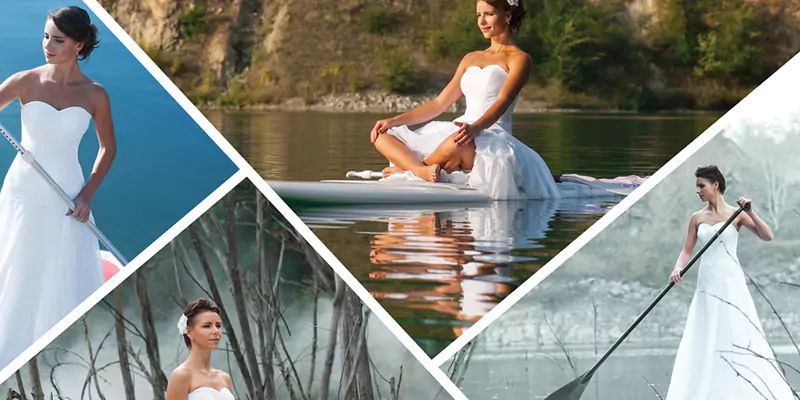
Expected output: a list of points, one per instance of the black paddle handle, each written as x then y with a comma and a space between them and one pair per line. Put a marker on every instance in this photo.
663, 293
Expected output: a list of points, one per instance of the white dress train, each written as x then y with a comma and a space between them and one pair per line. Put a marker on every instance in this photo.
723, 353
49, 263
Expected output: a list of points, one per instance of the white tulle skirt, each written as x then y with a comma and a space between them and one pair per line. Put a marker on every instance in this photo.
504, 167
723, 352
49, 264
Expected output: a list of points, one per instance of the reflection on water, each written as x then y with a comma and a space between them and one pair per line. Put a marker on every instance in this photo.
437, 270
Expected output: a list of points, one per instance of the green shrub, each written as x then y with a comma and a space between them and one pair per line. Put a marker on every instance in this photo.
457, 35
177, 68
235, 95
193, 22
205, 90
732, 49
156, 54
379, 21
402, 73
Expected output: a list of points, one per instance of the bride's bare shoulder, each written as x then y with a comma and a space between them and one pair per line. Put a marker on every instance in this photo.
472, 58
697, 217
180, 374
519, 56
226, 377
25, 77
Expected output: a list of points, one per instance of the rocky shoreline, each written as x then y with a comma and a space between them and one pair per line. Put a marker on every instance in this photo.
384, 102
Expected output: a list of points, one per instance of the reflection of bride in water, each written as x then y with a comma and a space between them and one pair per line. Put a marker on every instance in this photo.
467, 253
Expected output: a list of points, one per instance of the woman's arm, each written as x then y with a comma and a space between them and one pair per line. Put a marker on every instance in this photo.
753, 222
105, 154
430, 110
688, 248
519, 72
179, 384
12, 88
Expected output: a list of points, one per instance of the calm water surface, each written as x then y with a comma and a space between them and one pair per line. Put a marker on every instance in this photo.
632, 374
439, 269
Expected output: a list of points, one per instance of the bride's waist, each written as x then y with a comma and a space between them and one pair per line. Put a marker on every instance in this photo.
718, 272
23, 181
502, 123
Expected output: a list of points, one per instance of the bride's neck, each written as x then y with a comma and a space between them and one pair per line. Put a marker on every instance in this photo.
199, 358
716, 204
500, 42
64, 74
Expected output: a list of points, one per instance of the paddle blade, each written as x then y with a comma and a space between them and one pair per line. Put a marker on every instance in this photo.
571, 391
110, 265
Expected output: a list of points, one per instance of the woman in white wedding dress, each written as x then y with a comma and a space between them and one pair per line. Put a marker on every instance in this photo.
195, 379
49, 260
477, 148
723, 353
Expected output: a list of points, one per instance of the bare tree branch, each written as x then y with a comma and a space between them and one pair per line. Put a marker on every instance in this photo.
652, 387
92, 369
336, 316
21, 385
122, 353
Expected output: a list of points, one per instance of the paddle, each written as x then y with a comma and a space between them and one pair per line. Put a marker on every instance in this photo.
30, 159
574, 389
366, 174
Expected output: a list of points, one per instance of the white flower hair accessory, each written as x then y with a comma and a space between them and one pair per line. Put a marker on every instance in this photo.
514, 3
182, 324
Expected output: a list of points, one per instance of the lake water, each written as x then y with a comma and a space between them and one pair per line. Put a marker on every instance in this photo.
629, 374
165, 163
439, 269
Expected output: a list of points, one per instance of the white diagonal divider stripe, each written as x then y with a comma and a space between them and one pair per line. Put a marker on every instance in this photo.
123, 274
273, 197
615, 212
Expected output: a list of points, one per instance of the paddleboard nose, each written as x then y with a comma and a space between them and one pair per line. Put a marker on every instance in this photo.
110, 265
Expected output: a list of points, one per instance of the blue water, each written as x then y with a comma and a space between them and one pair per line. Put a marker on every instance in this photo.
165, 163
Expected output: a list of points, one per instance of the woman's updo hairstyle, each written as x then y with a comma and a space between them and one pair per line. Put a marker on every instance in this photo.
712, 174
76, 24
518, 12
195, 308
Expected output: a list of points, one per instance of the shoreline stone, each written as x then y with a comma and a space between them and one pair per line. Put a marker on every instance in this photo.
383, 102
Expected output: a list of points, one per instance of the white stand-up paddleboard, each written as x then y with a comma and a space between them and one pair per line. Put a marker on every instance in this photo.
339, 192
350, 192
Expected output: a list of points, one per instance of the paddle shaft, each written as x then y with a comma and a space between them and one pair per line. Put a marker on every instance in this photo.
662, 294
366, 174
29, 158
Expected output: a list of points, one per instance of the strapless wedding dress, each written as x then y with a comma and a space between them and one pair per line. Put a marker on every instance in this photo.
49, 263
504, 167
723, 353
208, 393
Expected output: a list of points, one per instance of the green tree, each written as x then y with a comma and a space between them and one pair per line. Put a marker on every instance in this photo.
733, 48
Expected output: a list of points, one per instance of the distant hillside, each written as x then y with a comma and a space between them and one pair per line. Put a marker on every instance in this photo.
609, 54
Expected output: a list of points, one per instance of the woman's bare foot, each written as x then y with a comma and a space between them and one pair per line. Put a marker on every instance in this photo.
428, 172
392, 170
